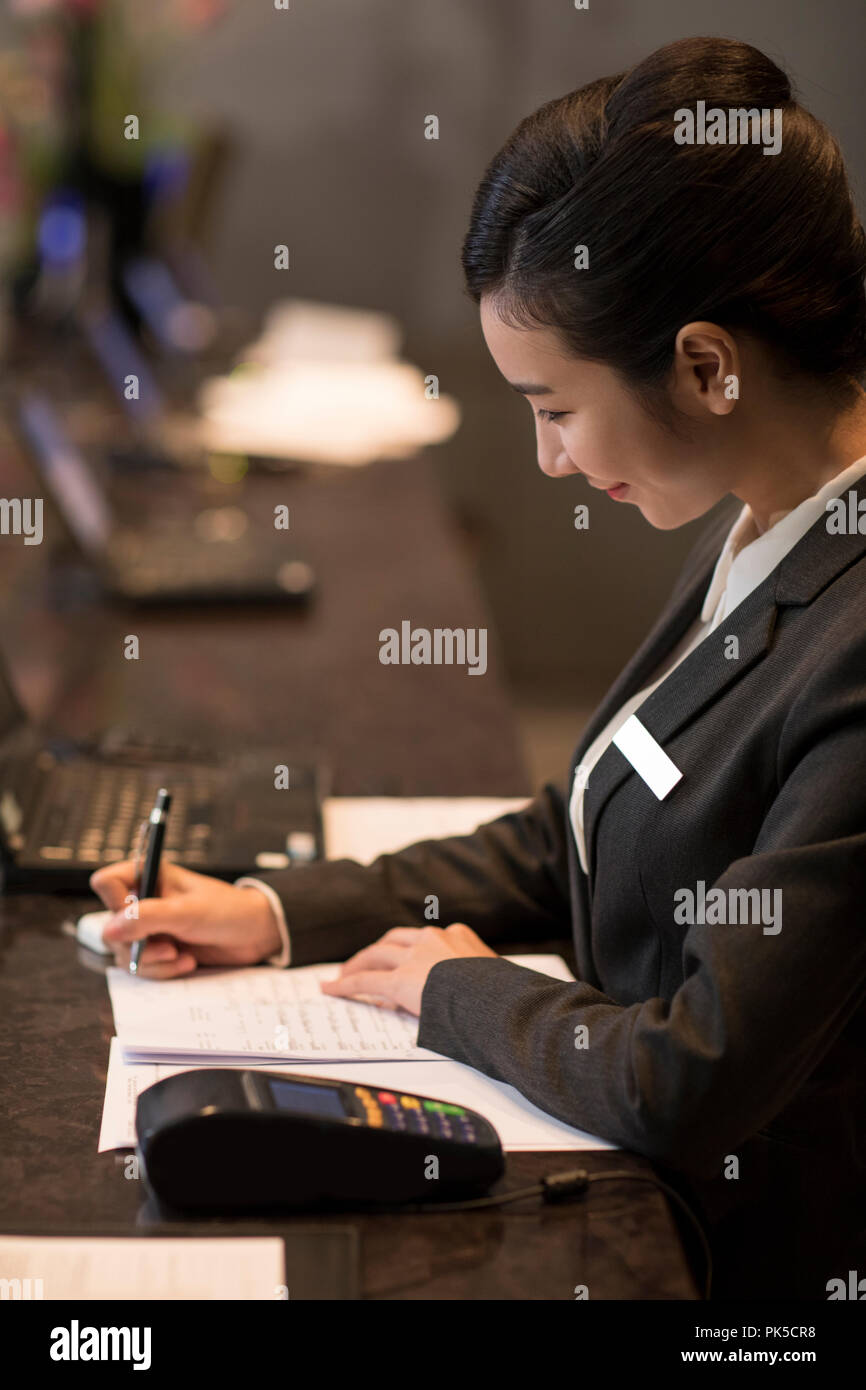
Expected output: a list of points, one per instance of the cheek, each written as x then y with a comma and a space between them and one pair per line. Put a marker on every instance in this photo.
588, 436
605, 443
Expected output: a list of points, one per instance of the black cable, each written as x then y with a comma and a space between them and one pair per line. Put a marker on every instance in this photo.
476, 1203
683, 1205
561, 1187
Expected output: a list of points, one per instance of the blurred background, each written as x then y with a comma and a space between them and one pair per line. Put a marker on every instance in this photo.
143, 251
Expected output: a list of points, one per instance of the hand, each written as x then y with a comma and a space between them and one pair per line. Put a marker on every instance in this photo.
196, 920
393, 971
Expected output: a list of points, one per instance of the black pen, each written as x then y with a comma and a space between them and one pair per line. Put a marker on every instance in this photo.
152, 853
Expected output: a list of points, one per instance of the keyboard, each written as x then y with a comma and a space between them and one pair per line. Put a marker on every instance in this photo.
155, 562
90, 814
62, 816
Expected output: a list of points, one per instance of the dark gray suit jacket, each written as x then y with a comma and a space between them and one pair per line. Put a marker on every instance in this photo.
704, 1041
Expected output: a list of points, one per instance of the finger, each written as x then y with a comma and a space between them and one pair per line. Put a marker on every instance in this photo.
403, 936
154, 953
169, 970
150, 917
121, 956
113, 882
157, 950
375, 957
468, 939
372, 982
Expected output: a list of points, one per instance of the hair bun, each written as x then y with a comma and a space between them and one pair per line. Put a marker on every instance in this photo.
677, 231
722, 72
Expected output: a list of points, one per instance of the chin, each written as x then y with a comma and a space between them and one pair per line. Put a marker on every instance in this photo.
659, 517
667, 514
663, 519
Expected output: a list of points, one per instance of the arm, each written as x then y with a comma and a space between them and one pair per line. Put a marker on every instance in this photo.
508, 880
685, 1081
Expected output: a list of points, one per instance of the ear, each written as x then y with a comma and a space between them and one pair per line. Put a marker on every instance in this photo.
706, 370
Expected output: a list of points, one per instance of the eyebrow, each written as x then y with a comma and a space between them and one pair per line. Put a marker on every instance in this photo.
530, 389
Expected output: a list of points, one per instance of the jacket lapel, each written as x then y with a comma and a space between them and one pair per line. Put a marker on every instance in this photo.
704, 676
699, 680
674, 620
673, 623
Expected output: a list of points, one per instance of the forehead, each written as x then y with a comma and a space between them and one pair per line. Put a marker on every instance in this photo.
525, 355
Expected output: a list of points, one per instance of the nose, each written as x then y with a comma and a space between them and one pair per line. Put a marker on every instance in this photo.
552, 458
556, 465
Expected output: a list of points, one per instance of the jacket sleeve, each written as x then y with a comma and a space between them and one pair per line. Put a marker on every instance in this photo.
508, 880
684, 1081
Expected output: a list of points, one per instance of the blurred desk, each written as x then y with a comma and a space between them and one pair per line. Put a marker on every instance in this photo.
383, 552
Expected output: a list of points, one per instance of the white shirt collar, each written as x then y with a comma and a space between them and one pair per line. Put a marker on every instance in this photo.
748, 556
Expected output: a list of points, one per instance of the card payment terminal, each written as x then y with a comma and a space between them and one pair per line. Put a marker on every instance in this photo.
231, 1139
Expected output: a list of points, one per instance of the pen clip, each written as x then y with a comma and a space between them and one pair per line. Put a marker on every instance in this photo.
138, 853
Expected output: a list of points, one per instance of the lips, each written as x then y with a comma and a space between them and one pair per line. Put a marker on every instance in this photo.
613, 489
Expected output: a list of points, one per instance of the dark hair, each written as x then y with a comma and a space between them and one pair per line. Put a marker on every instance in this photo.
675, 232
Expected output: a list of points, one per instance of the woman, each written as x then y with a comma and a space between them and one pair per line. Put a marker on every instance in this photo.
711, 863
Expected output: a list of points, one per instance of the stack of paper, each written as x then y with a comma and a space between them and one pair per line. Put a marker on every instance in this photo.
281, 1019
218, 1016
254, 1017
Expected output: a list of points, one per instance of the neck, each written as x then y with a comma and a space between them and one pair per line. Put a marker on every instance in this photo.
789, 466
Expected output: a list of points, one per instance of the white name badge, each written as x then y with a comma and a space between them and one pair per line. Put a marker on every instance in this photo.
648, 758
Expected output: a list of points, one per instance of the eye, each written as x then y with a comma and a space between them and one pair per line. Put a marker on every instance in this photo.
550, 415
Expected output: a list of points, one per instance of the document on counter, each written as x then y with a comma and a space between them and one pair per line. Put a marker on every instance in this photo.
259, 1014
519, 1124
66, 1267
363, 827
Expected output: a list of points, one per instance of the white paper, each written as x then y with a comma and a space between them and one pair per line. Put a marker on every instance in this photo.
266, 1015
54, 1267
253, 1013
362, 827
519, 1124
